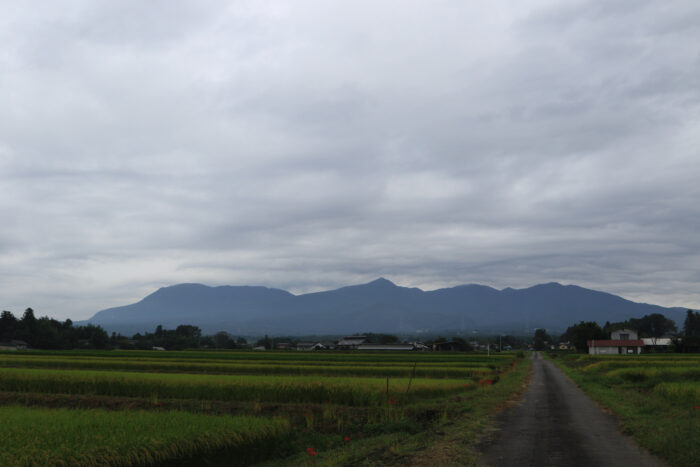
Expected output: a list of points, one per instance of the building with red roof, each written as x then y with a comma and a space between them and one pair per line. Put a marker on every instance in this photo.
621, 342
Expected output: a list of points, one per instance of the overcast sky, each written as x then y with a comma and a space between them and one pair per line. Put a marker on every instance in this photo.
308, 145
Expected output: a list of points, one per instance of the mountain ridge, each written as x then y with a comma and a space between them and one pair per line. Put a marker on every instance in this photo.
377, 306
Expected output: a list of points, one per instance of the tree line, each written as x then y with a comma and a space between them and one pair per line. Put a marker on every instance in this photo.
49, 334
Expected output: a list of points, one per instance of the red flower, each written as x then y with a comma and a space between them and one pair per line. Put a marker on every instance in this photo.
309, 449
346, 439
312, 453
697, 407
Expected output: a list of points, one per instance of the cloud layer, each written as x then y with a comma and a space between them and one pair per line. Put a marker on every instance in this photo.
307, 145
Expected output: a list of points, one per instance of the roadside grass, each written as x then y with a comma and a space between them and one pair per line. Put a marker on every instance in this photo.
663, 417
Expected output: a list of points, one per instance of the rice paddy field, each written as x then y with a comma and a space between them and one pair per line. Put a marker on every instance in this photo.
655, 396
140, 408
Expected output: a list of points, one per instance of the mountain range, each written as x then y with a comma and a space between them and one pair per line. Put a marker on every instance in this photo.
378, 306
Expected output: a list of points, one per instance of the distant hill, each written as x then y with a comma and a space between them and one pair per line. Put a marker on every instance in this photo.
378, 306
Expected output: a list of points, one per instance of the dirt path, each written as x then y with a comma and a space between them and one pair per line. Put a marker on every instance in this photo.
558, 425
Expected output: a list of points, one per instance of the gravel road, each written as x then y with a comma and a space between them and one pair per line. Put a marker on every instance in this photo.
556, 424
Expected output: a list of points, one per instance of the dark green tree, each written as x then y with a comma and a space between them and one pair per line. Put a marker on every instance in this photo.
691, 333
29, 325
99, 338
265, 342
691, 325
654, 325
541, 339
579, 334
8, 325
223, 341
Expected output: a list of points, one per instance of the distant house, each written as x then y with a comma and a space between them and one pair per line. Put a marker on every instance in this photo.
385, 347
14, 345
157, 348
351, 342
283, 345
310, 346
622, 341
564, 345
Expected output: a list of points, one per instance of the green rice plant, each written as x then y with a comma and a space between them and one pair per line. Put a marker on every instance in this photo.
689, 391
655, 375
177, 364
40, 437
608, 365
350, 356
312, 389
246, 367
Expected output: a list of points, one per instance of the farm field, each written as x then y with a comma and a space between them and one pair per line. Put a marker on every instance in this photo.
245, 408
655, 396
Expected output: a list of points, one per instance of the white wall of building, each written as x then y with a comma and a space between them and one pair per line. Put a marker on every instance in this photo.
618, 335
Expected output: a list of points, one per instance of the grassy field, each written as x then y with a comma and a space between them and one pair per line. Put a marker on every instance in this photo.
655, 396
242, 408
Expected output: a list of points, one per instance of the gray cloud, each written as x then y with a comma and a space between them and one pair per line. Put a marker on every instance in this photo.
312, 145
